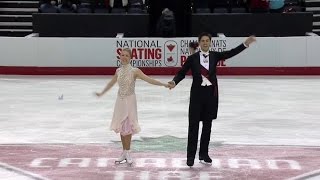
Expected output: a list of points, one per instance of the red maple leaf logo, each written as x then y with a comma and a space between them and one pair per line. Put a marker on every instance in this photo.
170, 59
171, 47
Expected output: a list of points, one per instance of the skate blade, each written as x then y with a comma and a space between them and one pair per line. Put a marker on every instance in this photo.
120, 162
205, 163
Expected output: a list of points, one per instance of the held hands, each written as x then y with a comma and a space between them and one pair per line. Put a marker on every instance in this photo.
166, 85
171, 84
250, 40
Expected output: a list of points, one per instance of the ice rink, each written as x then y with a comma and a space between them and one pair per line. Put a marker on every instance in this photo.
272, 111
253, 110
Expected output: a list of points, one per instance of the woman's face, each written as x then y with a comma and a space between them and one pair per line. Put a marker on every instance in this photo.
125, 57
191, 50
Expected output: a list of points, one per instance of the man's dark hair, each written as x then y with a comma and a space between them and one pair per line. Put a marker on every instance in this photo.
204, 34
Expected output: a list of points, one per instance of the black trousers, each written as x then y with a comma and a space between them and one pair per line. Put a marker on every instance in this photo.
203, 107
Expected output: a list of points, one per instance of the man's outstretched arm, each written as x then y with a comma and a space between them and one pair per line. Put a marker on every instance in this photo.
237, 50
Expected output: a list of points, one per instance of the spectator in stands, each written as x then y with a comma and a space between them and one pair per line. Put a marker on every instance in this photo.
66, 6
258, 6
166, 26
53, 2
48, 6
276, 6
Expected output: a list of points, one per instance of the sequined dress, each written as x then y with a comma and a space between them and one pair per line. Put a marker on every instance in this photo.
125, 116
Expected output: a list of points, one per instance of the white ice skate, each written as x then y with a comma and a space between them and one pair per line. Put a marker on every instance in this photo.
128, 158
121, 158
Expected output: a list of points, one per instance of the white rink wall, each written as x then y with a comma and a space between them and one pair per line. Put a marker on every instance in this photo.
102, 52
156, 56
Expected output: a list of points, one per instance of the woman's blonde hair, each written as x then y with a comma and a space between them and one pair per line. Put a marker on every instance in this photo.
128, 50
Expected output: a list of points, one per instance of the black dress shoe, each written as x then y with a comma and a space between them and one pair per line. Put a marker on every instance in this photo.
190, 162
205, 158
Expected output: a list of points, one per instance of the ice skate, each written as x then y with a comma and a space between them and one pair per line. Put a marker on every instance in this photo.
190, 162
121, 159
128, 158
205, 159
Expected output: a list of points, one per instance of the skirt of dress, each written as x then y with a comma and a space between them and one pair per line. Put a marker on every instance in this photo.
125, 116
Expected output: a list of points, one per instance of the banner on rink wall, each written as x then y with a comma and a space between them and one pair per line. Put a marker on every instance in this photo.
161, 52
147, 52
267, 52
269, 55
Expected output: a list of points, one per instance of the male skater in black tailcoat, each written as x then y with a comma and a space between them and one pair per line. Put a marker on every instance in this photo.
203, 104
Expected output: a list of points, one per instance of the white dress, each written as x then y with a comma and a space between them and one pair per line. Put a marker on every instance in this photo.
125, 116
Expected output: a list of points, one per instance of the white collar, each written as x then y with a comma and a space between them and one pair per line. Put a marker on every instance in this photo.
205, 53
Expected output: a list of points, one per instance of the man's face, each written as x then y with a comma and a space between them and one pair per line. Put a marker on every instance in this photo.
205, 43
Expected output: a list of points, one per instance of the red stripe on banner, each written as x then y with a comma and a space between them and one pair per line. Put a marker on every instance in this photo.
28, 70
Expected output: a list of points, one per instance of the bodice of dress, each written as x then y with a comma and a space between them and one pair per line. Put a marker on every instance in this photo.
126, 80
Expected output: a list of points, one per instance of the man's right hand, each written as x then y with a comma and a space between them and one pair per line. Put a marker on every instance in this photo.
172, 84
